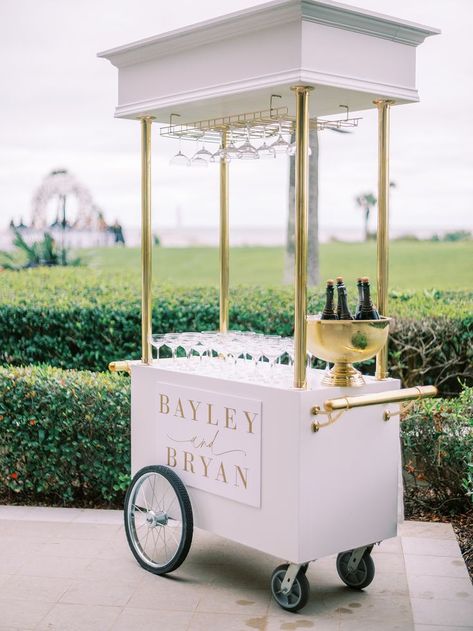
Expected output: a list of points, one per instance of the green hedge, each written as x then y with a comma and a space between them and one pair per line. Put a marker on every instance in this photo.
76, 318
437, 439
64, 439
64, 436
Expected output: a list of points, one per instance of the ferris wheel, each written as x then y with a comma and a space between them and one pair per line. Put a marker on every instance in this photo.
57, 187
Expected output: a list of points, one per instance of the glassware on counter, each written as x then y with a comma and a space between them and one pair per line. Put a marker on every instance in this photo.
236, 354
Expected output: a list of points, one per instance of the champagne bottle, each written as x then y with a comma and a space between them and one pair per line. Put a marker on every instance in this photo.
339, 284
329, 312
359, 285
368, 311
343, 303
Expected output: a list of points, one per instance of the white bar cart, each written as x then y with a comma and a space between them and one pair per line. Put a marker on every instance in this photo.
265, 464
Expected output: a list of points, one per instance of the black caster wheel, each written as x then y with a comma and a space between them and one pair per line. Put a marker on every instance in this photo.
158, 519
359, 578
299, 594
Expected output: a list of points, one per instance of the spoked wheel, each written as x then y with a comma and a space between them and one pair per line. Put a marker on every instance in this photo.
158, 519
359, 578
299, 594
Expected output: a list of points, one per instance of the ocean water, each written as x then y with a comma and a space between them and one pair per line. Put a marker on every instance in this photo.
186, 236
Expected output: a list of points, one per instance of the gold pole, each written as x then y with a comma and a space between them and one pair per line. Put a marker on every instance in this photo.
382, 242
301, 228
224, 248
146, 241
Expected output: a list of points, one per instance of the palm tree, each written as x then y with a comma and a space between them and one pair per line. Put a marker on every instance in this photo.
41, 253
366, 202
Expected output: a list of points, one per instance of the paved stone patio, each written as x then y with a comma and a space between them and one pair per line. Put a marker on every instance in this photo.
70, 569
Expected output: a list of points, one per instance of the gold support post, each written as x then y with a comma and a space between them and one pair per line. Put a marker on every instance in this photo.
383, 227
146, 241
301, 228
224, 247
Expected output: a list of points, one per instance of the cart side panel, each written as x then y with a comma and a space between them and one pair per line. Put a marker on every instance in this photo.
272, 527
349, 476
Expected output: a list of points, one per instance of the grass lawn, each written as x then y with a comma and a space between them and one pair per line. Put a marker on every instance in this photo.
413, 264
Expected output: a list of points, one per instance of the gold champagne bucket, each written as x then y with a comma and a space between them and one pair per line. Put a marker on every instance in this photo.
344, 342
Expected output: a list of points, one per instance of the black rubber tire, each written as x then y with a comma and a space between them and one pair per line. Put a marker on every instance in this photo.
362, 576
187, 520
299, 594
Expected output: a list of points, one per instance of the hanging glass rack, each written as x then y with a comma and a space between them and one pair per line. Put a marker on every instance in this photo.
260, 124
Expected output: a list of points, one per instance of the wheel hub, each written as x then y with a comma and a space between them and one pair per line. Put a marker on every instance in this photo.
156, 519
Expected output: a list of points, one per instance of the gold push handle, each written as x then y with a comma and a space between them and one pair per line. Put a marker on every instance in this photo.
334, 408
378, 398
120, 366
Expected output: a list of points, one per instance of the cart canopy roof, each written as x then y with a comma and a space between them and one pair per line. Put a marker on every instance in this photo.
234, 63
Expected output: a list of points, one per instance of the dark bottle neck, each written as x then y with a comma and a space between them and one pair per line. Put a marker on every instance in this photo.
360, 291
367, 304
329, 313
339, 309
359, 306
343, 304
368, 312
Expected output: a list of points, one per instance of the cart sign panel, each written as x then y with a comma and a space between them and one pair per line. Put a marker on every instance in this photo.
211, 440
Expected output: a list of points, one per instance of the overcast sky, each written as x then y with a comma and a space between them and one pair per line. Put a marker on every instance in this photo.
57, 103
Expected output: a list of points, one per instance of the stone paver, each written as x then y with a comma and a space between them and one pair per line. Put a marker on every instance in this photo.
71, 570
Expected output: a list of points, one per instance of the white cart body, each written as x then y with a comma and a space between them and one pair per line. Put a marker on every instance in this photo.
318, 493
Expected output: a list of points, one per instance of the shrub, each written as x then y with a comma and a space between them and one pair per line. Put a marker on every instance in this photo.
64, 436
64, 439
86, 319
437, 438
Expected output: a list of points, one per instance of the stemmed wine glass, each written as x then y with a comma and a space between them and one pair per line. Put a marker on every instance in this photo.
272, 348
248, 340
231, 151
180, 159
172, 341
158, 341
247, 151
220, 155
201, 157
280, 145
199, 347
265, 151
186, 341
287, 344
